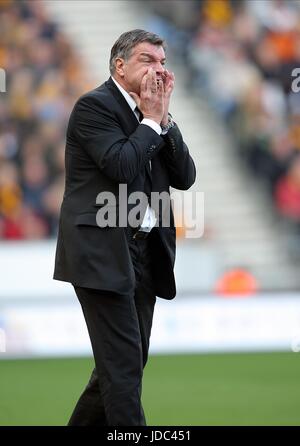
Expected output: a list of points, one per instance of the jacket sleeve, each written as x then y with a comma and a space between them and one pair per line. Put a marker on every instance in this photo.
179, 163
98, 132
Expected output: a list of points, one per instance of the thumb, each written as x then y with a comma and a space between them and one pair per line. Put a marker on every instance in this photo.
135, 97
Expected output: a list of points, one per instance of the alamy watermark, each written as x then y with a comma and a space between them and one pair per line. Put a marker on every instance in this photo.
129, 209
296, 82
2, 81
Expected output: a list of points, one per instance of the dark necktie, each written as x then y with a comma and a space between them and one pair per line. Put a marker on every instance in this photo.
139, 113
148, 177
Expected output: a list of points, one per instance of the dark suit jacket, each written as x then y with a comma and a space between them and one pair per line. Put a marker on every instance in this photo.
107, 146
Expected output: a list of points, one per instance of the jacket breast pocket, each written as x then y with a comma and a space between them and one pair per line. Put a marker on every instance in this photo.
103, 218
88, 219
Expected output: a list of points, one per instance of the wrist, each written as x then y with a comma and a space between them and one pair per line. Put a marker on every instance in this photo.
153, 118
167, 124
165, 120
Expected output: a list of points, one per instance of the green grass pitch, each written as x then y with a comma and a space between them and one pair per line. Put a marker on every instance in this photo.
206, 389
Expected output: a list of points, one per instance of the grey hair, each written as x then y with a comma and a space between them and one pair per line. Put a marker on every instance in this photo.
127, 41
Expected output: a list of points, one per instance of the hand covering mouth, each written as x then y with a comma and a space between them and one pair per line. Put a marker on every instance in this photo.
160, 78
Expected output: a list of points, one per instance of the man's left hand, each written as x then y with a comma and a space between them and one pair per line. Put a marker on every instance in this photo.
169, 82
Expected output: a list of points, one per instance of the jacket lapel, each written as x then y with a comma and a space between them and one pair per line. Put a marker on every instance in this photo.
128, 115
130, 118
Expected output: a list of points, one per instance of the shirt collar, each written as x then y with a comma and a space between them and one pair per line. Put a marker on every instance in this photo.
126, 95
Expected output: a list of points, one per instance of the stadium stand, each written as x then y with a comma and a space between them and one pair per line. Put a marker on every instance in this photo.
241, 57
44, 78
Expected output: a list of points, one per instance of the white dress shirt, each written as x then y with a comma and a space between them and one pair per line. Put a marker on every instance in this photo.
149, 219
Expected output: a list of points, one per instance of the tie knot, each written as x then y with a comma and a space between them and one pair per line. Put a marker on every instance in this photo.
139, 113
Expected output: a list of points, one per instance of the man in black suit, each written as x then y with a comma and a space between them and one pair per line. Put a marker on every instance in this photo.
121, 135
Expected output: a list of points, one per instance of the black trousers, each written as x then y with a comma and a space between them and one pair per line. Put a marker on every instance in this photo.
119, 327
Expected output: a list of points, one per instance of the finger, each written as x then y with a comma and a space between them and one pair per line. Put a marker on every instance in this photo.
165, 85
166, 73
148, 80
153, 81
144, 82
160, 88
136, 98
171, 82
170, 77
170, 88
167, 81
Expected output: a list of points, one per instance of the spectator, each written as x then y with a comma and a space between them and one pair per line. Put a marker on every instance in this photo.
44, 78
241, 56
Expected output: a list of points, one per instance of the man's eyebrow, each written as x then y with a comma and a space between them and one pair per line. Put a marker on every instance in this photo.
150, 55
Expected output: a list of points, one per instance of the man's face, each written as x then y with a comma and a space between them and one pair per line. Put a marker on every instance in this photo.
143, 56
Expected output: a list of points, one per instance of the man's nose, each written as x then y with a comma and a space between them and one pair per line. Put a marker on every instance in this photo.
159, 68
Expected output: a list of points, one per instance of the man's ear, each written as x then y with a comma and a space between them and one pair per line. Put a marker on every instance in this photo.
119, 66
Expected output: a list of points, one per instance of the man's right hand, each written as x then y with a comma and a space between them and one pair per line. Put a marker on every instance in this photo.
151, 99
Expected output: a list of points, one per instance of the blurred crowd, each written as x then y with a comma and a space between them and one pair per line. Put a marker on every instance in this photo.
43, 80
241, 56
